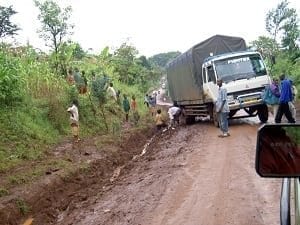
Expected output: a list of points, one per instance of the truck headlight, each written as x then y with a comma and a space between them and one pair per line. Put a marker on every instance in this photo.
230, 98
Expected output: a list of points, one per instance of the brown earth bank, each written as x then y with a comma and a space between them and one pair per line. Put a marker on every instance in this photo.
58, 188
183, 176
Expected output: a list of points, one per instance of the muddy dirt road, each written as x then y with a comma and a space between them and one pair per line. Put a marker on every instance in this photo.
187, 176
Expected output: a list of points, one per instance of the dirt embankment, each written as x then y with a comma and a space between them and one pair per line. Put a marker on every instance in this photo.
185, 176
59, 190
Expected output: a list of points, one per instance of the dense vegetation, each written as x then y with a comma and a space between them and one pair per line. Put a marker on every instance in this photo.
281, 48
34, 93
162, 59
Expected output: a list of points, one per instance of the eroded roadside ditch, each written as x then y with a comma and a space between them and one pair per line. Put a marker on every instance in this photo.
57, 192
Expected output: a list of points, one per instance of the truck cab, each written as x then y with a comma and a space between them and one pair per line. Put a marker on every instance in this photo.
244, 76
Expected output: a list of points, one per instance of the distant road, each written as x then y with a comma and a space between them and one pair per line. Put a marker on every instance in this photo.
162, 99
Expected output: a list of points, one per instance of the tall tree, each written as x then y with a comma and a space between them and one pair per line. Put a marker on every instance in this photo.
291, 32
283, 21
162, 59
142, 60
78, 51
55, 24
7, 28
124, 63
275, 18
267, 47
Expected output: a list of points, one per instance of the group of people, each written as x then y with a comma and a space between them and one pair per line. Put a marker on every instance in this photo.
281, 96
174, 113
127, 105
160, 119
130, 106
150, 102
77, 78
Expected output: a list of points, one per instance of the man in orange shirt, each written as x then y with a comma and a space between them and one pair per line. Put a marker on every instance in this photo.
133, 107
159, 120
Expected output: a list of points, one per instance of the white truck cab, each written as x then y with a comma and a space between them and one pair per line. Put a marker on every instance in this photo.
244, 76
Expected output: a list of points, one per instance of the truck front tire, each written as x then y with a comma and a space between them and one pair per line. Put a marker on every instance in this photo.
232, 113
263, 113
215, 118
189, 120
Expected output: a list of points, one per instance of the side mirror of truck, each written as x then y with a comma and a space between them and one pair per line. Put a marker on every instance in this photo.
278, 150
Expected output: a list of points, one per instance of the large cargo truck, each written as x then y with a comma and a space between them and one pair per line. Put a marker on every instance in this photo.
192, 79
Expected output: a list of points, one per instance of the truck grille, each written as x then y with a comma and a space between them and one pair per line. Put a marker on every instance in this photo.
250, 91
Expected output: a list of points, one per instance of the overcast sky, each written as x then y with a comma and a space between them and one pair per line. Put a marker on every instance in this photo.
152, 26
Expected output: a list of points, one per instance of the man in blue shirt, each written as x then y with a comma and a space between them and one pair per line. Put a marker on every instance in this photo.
286, 96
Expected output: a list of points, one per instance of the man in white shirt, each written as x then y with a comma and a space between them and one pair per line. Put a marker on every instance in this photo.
222, 109
111, 91
74, 120
174, 114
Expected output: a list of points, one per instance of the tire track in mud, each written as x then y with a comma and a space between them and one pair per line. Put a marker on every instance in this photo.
192, 192
219, 184
191, 177
141, 184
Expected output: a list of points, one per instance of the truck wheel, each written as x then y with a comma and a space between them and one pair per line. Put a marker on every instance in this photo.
263, 113
213, 115
189, 120
215, 118
250, 110
232, 113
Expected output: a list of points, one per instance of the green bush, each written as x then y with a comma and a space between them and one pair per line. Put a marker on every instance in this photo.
25, 132
10, 80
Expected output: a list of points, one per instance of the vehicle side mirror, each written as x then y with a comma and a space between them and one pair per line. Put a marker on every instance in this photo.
278, 150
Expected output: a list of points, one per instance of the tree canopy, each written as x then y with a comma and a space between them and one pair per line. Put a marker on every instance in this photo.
281, 48
54, 20
162, 59
7, 28
267, 46
282, 25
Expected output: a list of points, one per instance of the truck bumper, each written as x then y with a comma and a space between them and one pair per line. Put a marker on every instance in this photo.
246, 104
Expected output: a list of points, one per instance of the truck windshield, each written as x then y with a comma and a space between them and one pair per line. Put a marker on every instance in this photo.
241, 67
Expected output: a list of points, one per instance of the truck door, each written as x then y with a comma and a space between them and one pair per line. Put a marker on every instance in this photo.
211, 77
210, 83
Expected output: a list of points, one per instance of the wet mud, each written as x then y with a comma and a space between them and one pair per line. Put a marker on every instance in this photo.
184, 176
